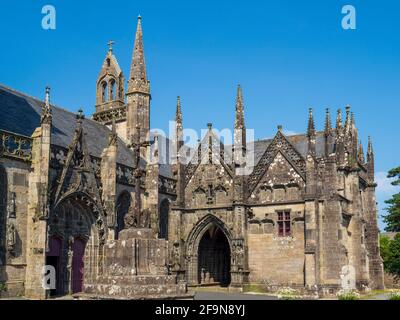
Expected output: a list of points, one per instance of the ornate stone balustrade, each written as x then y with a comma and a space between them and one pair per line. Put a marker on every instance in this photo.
15, 146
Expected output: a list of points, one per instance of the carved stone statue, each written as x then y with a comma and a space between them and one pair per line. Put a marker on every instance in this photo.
70, 256
11, 238
145, 218
176, 257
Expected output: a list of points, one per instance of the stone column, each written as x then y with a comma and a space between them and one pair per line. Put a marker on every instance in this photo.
109, 182
38, 212
152, 185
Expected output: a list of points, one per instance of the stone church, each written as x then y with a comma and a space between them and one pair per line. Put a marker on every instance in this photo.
116, 212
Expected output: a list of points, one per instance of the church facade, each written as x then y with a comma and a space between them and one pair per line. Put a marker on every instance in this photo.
79, 195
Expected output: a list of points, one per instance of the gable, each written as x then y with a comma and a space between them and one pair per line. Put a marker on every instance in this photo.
279, 145
280, 182
210, 150
208, 178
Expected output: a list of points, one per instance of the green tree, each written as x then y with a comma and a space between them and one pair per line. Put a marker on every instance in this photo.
392, 220
393, 262
385, 250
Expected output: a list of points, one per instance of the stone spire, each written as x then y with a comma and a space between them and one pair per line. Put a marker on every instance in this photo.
179, 125
47, 116
178, 117
311, 133
329, 140
347, 125
180, 156
370, 162
328, 123
239, 120
311, 125
138, 67
361, 157
339, 124
138, 95
370, 152
239, 137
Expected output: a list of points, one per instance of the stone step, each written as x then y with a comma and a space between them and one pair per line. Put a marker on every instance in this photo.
135, 291
135, 280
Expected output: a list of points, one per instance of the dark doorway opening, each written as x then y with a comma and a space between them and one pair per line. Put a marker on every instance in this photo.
214, 258
53, 259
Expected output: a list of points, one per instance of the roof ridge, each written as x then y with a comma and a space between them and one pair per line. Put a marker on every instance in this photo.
25, 95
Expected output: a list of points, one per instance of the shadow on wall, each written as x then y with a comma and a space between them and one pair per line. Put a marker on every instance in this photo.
3, 214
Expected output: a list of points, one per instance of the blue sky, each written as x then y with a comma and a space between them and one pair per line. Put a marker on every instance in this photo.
287, 55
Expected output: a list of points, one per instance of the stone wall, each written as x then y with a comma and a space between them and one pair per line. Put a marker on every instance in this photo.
13, 274
273, 259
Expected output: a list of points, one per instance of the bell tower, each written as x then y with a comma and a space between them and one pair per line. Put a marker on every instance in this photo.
110, 94
138, 96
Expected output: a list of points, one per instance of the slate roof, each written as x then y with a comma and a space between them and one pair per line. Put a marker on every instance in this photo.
20, 114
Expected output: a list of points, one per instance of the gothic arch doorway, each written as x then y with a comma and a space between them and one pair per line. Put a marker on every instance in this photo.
75, 231
209, 253
214, 258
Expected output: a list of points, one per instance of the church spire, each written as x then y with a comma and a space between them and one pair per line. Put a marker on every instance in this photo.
239, 120
138, 67
138, 94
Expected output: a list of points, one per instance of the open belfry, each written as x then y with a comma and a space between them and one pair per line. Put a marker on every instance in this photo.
121, 212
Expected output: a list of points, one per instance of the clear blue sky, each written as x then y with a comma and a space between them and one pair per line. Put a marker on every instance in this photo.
288, 56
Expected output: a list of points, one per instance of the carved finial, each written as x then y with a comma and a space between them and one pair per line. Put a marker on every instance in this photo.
370, 147
80, 116
348, 119
328, 123
311, 125
46, 110
179, 118
239, 119
113, 137
209, 125
339, 120
361, 157
280, 128
353, 120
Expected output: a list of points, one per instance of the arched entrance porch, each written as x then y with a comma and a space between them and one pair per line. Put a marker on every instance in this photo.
209, 253
73, 243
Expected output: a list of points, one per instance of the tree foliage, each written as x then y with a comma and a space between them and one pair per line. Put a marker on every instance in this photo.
392, 219
390, 251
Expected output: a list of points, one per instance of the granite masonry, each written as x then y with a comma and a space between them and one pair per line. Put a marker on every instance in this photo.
119, 213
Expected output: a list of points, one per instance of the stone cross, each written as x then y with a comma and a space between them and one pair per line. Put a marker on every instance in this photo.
136, 218
110, 45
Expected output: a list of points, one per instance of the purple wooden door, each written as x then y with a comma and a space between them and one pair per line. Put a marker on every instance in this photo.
78, 265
